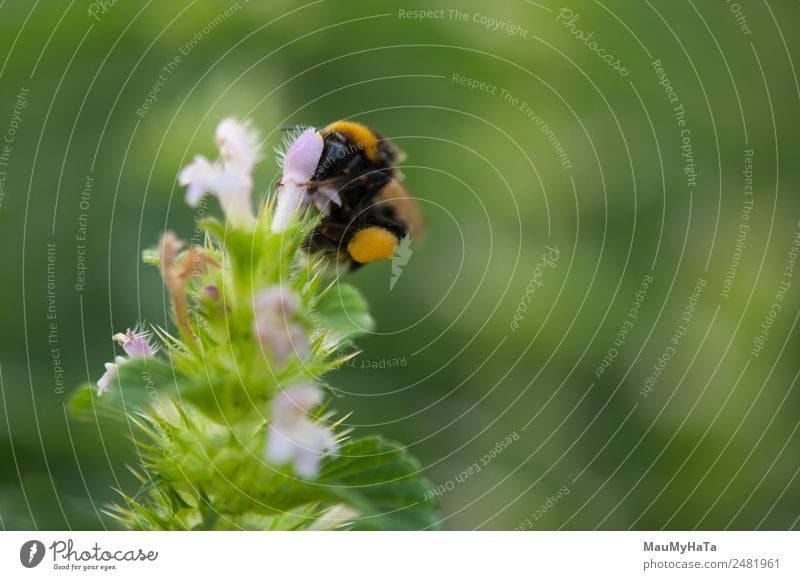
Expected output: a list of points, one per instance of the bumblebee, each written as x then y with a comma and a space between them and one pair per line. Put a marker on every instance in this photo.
367, 209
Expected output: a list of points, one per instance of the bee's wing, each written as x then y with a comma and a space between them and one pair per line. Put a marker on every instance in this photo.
405, 206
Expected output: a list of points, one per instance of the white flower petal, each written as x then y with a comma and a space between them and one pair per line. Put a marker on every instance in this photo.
280, 449
299, 164
275, 301
111, 372
302, 156
197, 176
291, 199
298, 339
273, 310
274, 341
293, 403
238, 145
306, 464
231, 182
303, 443
312, 441
136, 344
234, 196
292, 437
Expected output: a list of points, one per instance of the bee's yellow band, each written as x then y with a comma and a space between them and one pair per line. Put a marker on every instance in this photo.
362, 136
372, 243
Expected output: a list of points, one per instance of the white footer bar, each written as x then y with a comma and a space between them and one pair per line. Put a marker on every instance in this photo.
389, 555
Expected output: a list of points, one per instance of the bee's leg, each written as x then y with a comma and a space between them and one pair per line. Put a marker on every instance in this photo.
313, 184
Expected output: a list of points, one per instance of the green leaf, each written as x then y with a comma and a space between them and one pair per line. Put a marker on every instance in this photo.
376, 477
343, 311
384, 483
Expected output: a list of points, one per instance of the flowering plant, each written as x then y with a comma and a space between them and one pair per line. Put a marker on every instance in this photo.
232, 422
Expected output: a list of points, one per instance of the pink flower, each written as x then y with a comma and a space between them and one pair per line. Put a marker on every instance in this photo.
135, 344
293, 437
299, 163
273, 325
111, 372
230, 181
238, 145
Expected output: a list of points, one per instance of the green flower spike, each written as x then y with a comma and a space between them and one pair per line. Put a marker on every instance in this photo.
228, 413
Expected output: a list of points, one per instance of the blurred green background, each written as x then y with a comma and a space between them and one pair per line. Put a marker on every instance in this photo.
711, 443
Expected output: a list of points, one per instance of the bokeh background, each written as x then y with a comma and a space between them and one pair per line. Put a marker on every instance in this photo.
691, 421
